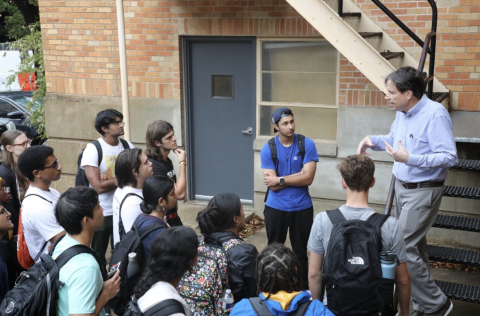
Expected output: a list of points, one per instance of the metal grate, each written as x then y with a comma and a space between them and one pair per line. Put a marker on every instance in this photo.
461, 292
457, 222
467, 164
370, 34
462, 192
466, 126
390, 55
453, 255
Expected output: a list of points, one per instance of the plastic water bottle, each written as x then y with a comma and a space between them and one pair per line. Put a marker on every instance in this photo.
388, 262
133, 267
227, 301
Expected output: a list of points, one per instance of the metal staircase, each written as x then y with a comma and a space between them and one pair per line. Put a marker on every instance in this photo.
376, 55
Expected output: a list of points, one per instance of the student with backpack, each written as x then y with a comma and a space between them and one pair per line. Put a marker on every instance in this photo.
159, 197
5, 225
346, 244
84, 291
100, 170
40, 228
132, 167
225, 260
173, 253
289, 162
279, 287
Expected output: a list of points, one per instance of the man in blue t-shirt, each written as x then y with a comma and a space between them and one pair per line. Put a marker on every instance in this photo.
289, 204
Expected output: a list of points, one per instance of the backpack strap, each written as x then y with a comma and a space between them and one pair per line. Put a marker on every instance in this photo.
124, 143
273, 150
46, 242
377, 219
97, 145
336, 216
148, 229
259, 306
301, 146
302, 309
165, 308
121, 229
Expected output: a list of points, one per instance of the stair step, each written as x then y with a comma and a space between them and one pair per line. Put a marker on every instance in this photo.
467, 164
440, 96
460, 292
351, 14
390, 55
462, 192
466, 126
470, 224
453, 255
370, 34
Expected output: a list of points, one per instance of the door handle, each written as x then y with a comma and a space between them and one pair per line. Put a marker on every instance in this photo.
248, 131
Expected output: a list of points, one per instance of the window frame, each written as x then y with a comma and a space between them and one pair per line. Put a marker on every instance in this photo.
292, 105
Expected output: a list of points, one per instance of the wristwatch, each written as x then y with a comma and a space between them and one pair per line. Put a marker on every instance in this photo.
281, 181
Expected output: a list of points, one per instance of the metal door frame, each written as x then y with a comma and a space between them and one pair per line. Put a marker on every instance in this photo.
187, 79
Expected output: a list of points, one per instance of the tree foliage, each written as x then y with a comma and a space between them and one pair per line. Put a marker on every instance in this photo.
15, 17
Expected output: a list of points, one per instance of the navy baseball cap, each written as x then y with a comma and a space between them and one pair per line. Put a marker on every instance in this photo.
279, 114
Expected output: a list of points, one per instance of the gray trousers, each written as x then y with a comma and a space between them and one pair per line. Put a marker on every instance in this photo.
416, 210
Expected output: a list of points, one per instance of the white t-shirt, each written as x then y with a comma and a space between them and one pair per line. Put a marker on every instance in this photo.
38, 219
130, 209
159, 292
107, 166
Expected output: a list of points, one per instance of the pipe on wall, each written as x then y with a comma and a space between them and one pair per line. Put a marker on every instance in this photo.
123, 68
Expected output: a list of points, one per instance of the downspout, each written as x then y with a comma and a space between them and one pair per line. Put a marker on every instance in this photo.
123, 68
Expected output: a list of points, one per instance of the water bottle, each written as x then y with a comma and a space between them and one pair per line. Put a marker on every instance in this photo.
388, 263
227, 301
133, 267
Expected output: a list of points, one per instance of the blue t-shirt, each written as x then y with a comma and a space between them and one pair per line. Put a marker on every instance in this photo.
291, 198
82, 280
144, 221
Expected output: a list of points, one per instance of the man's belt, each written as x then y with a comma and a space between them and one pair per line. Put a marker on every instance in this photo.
425, 184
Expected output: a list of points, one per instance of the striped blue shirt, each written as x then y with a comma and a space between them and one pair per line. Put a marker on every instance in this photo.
426, 133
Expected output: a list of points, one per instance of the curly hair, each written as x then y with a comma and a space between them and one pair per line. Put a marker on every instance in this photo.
32, 159
357, 171
219, 214
171, 255
277, 270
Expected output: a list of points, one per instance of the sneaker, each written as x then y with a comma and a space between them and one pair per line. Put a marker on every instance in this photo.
414, 312
444, 311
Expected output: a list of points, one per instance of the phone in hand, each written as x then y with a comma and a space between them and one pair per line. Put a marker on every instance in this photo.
113, 270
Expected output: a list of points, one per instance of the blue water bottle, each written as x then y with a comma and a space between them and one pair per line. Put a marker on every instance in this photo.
388, 262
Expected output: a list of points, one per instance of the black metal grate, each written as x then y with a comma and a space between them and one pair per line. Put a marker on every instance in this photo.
461, 292
390, 55
462, 192
467, 164
453, 255
457, 222
370, 34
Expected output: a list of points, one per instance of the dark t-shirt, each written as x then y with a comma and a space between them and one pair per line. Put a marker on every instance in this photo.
13, 207
165, 169
144, 221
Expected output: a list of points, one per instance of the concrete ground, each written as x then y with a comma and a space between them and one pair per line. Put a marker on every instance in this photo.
188, 213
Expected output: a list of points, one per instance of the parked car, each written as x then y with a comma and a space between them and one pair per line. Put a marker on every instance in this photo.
12, 107
5, 125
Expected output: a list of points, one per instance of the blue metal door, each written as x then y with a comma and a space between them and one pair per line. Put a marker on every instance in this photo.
220, 89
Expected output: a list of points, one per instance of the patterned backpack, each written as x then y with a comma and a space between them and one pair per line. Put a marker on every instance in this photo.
204, 285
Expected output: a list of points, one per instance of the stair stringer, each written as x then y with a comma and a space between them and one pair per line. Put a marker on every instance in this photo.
352, 45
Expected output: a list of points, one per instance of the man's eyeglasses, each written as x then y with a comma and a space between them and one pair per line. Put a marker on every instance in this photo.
3, 211
116, 123
55, 165
24, 144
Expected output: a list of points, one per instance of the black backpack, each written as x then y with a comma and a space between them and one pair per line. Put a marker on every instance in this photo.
81, 177
121, 229
273, 149
262, 310
164, 308
36, 290
131, 242
352, 271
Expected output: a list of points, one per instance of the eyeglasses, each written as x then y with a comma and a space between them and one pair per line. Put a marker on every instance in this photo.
55, 165
116, 123
24, 144
5, 189
4, 211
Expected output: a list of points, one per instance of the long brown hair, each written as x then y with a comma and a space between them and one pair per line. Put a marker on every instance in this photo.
156, 131
8, 138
